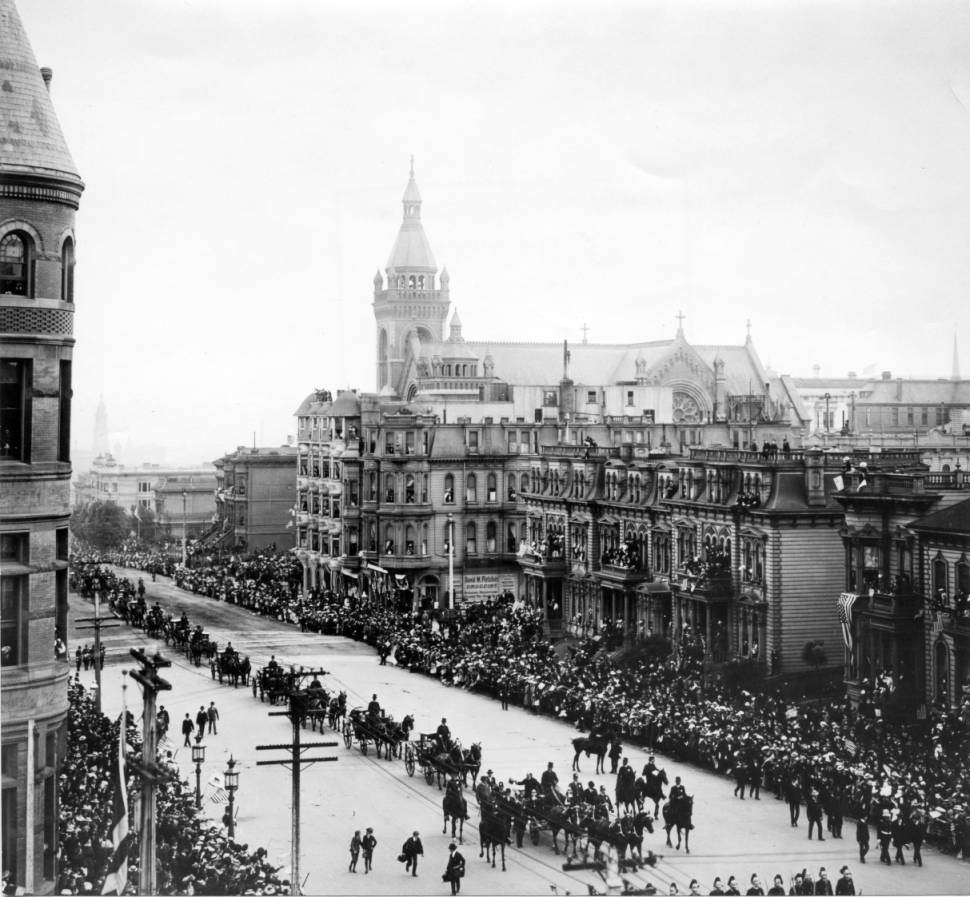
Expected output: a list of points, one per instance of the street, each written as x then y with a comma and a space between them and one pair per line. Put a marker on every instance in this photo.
730, 837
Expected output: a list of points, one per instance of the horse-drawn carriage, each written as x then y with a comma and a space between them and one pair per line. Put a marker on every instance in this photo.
228, 665
440, 760
383, 731
272, 683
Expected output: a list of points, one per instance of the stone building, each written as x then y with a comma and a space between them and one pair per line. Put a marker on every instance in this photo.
40, 191
254, 499
185, 502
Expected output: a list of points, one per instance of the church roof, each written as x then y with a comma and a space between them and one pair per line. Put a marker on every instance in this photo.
31, 141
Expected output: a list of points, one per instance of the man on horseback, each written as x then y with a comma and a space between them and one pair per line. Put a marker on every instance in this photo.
453, 790
678, 791
625, 784
550, 783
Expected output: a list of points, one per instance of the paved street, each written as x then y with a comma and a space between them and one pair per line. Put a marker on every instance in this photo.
731, 837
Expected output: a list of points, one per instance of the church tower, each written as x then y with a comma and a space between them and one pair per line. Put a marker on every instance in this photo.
40, 191
410, 305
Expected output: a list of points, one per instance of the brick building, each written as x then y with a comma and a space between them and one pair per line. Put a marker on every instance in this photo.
254, 499
40, 192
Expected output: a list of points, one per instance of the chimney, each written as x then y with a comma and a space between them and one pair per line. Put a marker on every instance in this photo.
887, 375
47, 74
899, 389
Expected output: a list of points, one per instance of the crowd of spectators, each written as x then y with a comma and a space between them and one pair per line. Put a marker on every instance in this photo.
866, 764
193, 855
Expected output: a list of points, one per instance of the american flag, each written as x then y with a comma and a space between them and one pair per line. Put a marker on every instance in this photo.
846, 600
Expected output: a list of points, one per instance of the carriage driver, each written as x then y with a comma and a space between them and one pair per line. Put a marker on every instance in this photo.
444, 735
550, 782
374, 708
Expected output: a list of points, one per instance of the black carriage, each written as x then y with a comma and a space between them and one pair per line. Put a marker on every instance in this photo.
272, 683
439, 761
362, 727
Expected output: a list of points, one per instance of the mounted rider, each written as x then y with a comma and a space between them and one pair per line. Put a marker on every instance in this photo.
677, 791
650, 768
453, 789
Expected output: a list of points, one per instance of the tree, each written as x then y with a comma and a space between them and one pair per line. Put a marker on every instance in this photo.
814, 654
101, 524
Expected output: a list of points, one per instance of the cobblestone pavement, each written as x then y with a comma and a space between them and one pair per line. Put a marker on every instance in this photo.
731, 837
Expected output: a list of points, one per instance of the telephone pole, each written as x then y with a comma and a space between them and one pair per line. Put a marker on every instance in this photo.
97, 623
298, 712
151, 773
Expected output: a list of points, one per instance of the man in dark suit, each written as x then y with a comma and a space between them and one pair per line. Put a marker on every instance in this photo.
456, 868
411, 850
822, 883
188, 727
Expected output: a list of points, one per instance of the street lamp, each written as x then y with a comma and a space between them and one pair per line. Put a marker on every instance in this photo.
451, 561
231, 779
184, 529
198, 758
827, 397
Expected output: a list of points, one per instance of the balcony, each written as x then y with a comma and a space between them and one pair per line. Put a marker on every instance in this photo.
579, 451
615, 574
396, 562
710, 585
545, 567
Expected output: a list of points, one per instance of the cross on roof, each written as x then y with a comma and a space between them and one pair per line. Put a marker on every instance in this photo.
680, 321
585, 331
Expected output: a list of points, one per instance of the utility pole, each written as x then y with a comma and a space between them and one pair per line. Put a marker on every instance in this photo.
184, 529
451, 562
151, 773
298, 712
97, 623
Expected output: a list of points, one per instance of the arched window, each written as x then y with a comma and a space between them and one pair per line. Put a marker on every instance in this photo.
513, 541
409, 546
471, 488
963, 576
447, 536
389, 546
524, 483
424, 539
389, 489
409, 496
16, 261
939, 575
492, 487
67, 271
449, 489
490, 536
471, 538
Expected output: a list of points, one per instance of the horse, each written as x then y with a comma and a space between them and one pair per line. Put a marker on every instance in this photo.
337, 710
626, 792
494, 832
652, 788
595, 744
471, 762
677, 814
641, 820
454, 807
567, 819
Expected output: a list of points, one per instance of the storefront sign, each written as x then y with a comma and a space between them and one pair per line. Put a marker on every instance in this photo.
476, 587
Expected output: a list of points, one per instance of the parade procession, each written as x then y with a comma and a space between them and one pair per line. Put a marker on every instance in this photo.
648, 573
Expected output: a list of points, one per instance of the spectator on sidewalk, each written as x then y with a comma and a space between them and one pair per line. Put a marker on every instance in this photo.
188, 727
411, 850
213, 716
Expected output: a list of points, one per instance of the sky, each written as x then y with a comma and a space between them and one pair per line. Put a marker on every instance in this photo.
801, 165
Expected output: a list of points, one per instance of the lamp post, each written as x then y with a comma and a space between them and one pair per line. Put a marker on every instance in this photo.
198, 758
451, 561
827, 397
231, 780
184, 529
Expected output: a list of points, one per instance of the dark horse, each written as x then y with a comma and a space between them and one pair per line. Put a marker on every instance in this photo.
595, 744
677, 814
494, 832
454, 807
652, 788
626, 792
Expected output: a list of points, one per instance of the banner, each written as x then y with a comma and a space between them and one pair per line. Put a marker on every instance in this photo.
117, 878
846, 601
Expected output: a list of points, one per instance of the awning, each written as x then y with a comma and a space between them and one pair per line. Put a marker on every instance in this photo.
349, 573
658, 588
376, 568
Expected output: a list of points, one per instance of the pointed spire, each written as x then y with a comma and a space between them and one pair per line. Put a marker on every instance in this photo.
411, 250
680, 324
955, 375
747, 339
455, 328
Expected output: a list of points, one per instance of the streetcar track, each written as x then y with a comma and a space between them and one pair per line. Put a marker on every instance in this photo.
519, 855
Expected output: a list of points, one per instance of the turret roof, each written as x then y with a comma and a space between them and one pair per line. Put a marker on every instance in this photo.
31, 141
411, 251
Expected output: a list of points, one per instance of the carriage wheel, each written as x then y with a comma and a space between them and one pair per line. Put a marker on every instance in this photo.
409, 760
348, 735
429, 775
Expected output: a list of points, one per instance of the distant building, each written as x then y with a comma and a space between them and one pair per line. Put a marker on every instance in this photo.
255, 496
40, 191
136, 486
185, 502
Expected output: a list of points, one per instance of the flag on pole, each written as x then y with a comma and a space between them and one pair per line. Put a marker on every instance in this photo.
117, 878
846, 601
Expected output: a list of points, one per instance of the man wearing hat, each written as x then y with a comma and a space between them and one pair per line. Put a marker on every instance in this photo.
455, 870
884, 832
717, 889
845, 885
862, 837
367, 845
778, 888
411, 850
823, 885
